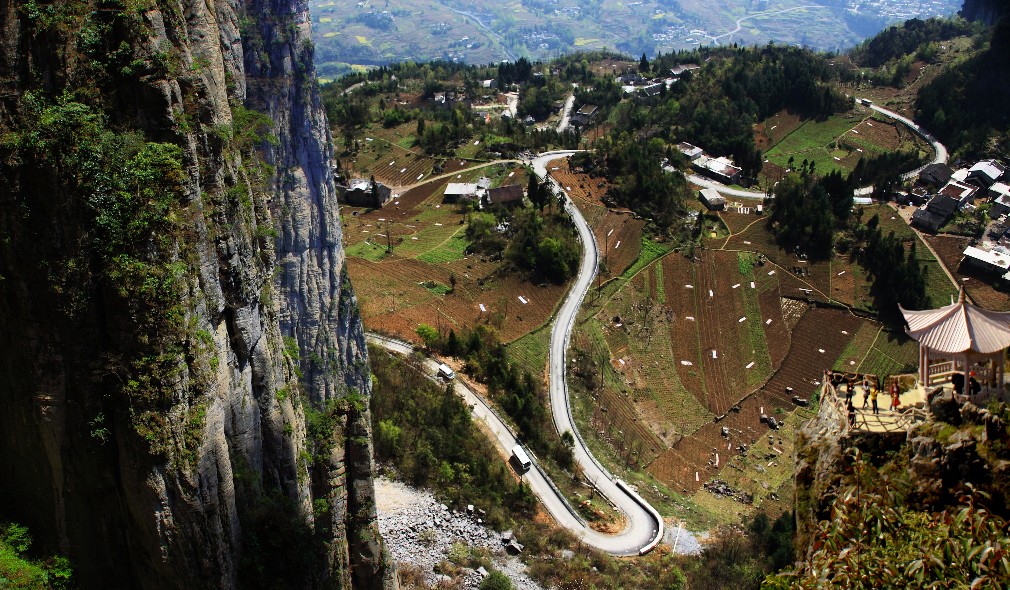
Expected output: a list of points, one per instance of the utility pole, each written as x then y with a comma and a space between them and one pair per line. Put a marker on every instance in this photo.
389, 240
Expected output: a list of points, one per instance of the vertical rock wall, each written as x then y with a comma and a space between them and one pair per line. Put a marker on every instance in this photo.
214, 434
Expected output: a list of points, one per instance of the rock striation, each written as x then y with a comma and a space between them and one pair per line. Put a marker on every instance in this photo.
183, 374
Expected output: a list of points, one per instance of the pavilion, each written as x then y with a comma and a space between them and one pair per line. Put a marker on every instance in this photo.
964, 334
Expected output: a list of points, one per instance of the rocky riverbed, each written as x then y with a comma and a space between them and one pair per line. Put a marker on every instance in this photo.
420, 531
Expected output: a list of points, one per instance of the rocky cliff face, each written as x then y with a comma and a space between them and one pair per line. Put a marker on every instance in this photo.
931, 467
183, 381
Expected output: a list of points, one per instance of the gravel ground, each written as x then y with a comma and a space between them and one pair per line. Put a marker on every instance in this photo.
683, 541
419, 530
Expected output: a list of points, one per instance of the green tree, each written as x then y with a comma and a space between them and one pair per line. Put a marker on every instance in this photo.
17, 570
643, 64
496, 581
428, 335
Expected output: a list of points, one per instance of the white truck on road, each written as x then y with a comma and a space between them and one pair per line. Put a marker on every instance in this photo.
521, 460
446, 372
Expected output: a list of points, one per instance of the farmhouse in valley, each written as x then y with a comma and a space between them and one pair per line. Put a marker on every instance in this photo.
364, 193
712, 200
504, 196
458, 192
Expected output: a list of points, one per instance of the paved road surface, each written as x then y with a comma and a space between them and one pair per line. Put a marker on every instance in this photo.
565, 118
535, 478
645, 525
940, 151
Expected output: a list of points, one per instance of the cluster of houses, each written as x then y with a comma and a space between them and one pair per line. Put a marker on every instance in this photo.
942, 192
482, 195
374, 195
720, 169
634, 82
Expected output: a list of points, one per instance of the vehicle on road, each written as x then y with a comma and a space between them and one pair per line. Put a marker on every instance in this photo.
446, 373
520, 460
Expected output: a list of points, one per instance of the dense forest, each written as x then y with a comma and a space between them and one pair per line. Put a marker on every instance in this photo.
966, 106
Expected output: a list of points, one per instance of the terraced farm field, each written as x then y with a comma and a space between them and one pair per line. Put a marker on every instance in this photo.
835, 143
816, 343
404, 258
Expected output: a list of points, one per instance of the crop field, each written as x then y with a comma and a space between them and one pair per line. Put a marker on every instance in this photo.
619, 236
817, 342
840, 279
775, 128
796, 277
765, 472
836, 143
618, 233
978, 287
413, 283
580, 186
531, 350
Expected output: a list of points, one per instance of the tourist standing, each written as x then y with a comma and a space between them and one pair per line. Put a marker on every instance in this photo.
873, 400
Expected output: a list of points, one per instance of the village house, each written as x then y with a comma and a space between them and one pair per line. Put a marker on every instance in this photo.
712, 200
935, 175
504, 196
584, 115
679, 71
360, 193
1000, 207
654, 89
690, 151
999, 190
937, 211
964, 193
995, 262
985, 173
721, 169
459, 192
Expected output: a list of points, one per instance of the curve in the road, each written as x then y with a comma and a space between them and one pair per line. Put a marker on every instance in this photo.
940, 156
645, 526
644, 529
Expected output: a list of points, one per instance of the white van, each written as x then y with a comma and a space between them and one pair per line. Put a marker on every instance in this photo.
522, 460
445, 372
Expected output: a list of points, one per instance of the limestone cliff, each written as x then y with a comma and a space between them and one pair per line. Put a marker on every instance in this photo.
183, 380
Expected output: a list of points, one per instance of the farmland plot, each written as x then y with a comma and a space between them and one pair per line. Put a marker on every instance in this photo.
723, 334
816, 343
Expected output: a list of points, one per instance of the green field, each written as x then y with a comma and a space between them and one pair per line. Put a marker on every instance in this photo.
429, 239
530, 352
448, 251
813, 141
651, 250
367, 250
877, 351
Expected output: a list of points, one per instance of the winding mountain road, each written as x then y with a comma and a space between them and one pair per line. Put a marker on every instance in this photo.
644, 526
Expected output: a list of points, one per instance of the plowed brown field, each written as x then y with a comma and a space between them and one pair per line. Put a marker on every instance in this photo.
819, 329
